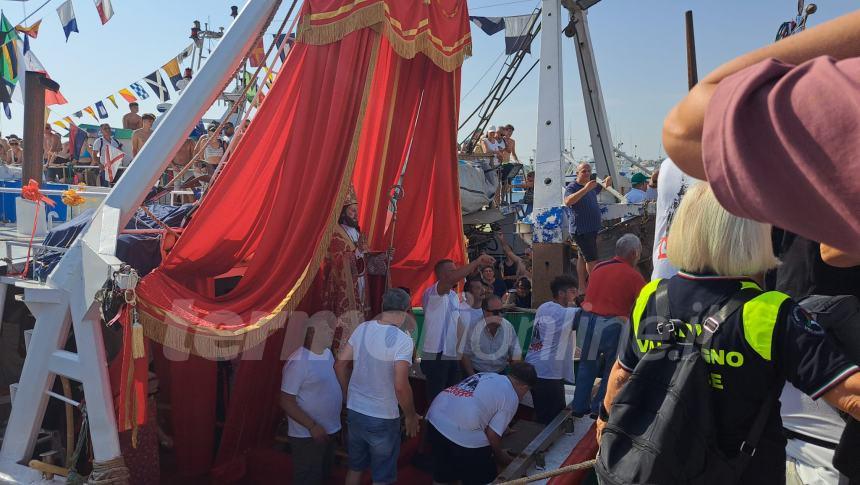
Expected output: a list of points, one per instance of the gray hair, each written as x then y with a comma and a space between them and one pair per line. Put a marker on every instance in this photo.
628, 246
395, 299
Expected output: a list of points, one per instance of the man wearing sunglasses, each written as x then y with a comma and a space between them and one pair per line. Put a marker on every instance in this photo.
492, 343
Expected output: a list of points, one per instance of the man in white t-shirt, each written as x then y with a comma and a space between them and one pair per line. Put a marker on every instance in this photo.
312, 399
379, 354
492, 343
813, 429
673, 184
551, 347
440, 360
467, 422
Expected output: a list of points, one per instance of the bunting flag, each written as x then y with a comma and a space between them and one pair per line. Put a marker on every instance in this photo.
112, 99
490, 25
31, 31
113, 157
173, 73
78, 114
139, 91
61, 124
68, 120
279, 39
100, 107
156, 84
67, 18
91, 111
77, 139
517, 30
8, 61
186, 53
105, 10
258, 54
7, 32
29, 62
126, 95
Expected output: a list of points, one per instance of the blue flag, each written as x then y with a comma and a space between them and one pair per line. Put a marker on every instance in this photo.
139, 91
100, 107
517, 33
279, 40
490, 25
67, 18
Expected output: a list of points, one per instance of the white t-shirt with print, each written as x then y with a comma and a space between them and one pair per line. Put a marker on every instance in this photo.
376, 348
553, 341
672, 184
463, 412
311, 378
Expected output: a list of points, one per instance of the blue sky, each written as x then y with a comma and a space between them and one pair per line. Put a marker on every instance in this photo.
639, 47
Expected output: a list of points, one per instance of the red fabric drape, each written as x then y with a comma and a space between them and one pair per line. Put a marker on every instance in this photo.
253, 213
273, 206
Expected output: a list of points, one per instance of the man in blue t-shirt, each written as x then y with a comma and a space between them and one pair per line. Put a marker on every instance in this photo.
580, 197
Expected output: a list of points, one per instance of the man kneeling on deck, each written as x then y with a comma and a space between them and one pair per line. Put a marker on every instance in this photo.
467, 422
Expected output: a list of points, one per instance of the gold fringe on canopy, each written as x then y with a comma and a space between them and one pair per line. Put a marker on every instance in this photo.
376, 15
175, 333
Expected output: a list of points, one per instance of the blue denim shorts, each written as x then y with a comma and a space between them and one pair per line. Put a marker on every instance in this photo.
375, 443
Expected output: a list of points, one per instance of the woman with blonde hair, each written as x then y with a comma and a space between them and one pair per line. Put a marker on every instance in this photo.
751, 354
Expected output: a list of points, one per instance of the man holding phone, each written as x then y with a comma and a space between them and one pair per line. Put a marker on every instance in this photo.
580, 197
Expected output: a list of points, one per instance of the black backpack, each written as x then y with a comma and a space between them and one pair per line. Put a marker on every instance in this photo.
661, 427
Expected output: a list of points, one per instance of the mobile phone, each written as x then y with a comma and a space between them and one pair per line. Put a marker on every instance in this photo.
593, 177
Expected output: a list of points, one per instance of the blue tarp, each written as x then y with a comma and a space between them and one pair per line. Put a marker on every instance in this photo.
140, 251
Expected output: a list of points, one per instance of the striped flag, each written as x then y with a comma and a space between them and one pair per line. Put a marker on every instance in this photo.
68, 120
100, 107
92, 112
279, 40
172, 71
66, 11
517, 29
112, 99
156, 84
186, 53
31, 31
105, 10
126, 95
139, 91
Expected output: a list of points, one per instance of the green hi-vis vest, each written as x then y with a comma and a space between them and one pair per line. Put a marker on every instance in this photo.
758, 316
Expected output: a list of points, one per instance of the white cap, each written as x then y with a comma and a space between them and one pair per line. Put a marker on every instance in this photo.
492, 128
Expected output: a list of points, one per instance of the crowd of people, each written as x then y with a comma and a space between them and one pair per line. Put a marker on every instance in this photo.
102, 157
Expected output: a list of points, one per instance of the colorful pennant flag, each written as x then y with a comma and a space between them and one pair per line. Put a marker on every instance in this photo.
77, 139
78, 114
186, 53
61, 124
66, 11
279, 39
68, 120
112, 99
7, 32
139, 91
252, 91
517, 29
92, 112
173, 73
258, 54
156, 84
490, 25
100, 107
31, 31
126, 95
105, 10
8, 59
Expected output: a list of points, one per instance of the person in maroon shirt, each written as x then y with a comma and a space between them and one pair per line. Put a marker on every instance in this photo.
612, 291
775, 133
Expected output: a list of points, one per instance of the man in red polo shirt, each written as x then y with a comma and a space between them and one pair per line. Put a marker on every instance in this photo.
612, 290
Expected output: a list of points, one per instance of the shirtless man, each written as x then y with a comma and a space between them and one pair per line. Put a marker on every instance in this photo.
139, 137
510, 145
132, 120
53, 144
4, 149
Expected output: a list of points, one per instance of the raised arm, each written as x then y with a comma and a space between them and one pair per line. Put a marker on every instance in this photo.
579, 194
450, 279
682, 129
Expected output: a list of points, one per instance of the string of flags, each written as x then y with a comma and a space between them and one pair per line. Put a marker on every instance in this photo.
69, 21
516, 27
